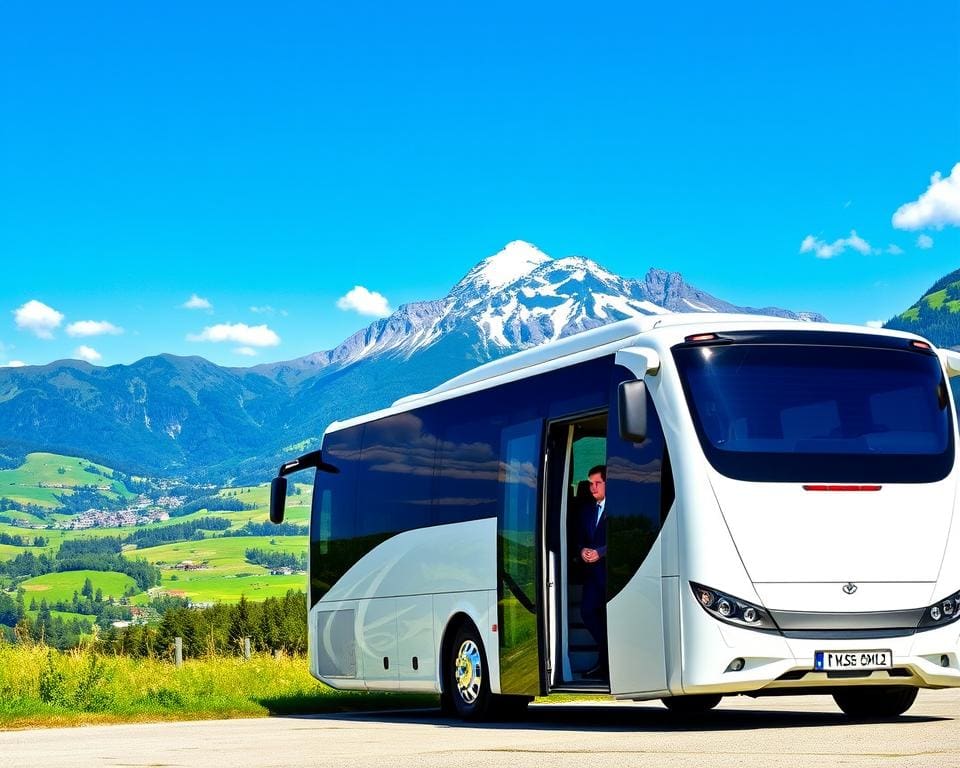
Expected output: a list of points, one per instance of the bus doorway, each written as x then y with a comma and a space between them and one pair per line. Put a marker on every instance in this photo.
575, 446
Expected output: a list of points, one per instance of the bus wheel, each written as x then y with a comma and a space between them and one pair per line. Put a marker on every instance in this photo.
870, 702
466, 675
696, 704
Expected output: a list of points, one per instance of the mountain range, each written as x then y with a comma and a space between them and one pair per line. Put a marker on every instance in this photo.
185, 416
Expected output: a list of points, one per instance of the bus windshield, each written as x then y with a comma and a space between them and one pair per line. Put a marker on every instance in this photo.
813, 413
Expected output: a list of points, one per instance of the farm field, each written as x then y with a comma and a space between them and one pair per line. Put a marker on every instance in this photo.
20, 484
297, 513
8, 551
212, 587
61, 586
219, 552
229, 575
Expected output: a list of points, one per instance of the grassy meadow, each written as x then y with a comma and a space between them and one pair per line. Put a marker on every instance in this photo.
43, 687
229, 575
8, 551
54, 587
21, 484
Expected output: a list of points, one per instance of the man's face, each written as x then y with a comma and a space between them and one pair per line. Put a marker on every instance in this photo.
598, 487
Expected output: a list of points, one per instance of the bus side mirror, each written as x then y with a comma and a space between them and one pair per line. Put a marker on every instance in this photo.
278, 499
632, 407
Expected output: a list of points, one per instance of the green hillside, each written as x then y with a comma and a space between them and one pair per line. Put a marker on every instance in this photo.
44, 476
54, 587
936, 314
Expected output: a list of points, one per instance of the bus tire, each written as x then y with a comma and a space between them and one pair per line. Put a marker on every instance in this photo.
868, 702
695, 704
466, 679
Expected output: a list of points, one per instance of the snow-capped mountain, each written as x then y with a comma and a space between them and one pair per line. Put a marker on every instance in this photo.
518, 298
168, 415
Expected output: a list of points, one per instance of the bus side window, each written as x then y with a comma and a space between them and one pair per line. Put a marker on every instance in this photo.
465, 483
396, 465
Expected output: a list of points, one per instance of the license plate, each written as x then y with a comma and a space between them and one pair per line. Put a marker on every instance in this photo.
835, 661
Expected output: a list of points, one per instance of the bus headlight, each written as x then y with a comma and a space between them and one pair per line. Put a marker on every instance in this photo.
733, 610
941, 613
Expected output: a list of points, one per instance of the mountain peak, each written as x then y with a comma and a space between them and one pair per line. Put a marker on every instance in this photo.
515, 260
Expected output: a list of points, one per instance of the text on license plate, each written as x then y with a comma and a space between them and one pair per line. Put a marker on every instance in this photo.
828, 661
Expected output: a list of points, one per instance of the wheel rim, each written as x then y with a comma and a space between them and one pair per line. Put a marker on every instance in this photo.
468, 672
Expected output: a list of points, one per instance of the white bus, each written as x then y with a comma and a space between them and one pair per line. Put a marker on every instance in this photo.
780, 508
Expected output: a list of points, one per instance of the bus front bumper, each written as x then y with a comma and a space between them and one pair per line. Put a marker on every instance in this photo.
747, 661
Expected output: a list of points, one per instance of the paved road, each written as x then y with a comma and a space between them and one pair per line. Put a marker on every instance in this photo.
794, 731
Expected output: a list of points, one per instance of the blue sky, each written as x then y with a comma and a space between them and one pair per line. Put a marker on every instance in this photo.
274, 157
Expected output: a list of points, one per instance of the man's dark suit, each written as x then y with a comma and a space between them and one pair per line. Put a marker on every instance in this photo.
593, 535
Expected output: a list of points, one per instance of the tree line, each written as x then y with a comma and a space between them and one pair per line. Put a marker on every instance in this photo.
167, 534
218, 503
16, 625
276, 624
16, 540
83, 555
251, 528
272, 559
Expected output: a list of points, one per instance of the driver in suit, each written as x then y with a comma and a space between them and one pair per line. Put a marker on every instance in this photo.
593, 552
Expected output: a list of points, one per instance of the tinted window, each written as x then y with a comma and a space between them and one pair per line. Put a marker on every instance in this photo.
333, 541
397, 470
819, 413
468, 460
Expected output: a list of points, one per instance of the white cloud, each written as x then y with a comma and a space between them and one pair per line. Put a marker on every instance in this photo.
93, 328
238, 333
38, 318
894, 250
197, 302
925, 242
365, 302
824, 250
938, 207
87, 353
266, 309
874, 323
246, 351
14, 364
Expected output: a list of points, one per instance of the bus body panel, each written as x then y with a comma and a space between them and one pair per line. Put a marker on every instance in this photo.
377, 641
415, 641
787, 534
457, 557
636, 634
830, 597
334, 653
948, 580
